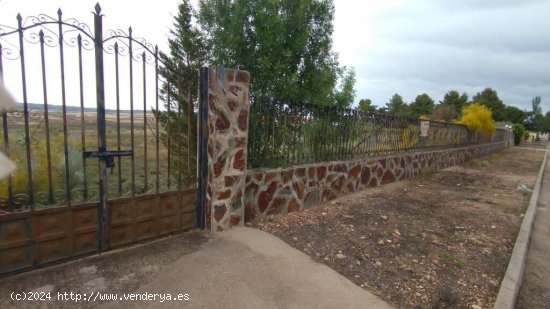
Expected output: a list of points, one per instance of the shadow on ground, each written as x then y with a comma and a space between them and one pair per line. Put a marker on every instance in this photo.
118, 271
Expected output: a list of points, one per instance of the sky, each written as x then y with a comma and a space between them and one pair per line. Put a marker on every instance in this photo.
395, 46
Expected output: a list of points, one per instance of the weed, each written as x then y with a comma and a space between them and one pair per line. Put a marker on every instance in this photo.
451, 259
479, 163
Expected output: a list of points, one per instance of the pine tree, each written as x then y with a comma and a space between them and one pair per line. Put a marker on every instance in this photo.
456, 101
179, 91
489, 98
423, 105
397, 107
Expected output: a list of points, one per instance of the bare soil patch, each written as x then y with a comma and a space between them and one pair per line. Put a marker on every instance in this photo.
442, 240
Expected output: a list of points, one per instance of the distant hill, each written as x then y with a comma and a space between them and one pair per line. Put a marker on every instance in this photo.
72, 109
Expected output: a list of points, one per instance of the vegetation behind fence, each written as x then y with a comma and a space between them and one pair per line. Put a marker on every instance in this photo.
283, 134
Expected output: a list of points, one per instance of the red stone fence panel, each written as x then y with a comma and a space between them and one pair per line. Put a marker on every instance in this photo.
274, 191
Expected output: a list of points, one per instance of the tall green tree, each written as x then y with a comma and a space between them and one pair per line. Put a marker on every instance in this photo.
345, 93
489, 98
535, 119
180, 68
422, 105
397, 107
366, 106
514, 115
286, 45
456, 101
535, 103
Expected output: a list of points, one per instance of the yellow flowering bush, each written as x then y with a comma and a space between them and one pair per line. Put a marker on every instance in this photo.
479, 119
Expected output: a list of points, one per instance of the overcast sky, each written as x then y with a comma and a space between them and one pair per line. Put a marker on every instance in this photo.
395, 46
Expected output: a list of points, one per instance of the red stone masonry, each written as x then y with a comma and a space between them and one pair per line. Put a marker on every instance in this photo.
228, 107
274, 191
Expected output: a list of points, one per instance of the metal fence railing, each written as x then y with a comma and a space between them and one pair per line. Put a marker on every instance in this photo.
281, 134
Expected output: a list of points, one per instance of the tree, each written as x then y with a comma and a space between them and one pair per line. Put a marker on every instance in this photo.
188, 53
382, 110
514, 115
479, 119
365, 105
397, 107
489, 98
444, 113
455, 100
535, 119
535, 103
286, 45
345, 95
423, 105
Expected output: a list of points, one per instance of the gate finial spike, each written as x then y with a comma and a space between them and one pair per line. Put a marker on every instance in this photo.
19, 18
97, 8
59, 13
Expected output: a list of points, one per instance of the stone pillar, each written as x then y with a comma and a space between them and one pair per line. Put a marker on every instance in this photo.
227, 119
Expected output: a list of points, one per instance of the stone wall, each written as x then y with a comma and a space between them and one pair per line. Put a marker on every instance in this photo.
272, 191
227, 122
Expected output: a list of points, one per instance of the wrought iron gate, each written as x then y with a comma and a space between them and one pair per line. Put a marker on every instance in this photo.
93, 173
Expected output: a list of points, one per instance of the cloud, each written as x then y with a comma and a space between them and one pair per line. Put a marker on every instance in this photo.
436, 46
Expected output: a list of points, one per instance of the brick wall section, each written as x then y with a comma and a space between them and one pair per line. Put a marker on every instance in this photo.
273, 191
228, 108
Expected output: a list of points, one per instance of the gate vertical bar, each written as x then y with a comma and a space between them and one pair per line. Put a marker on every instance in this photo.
101, 134
132, 146
25, 111
82, 118
46, 118
145, 168
117, 83
64, 108
168, 134
202, 141
157, 139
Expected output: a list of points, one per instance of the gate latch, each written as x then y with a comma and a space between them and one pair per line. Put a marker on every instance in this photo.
108, 156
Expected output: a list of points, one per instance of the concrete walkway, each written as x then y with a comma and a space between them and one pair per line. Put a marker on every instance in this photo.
535, 290
248, 268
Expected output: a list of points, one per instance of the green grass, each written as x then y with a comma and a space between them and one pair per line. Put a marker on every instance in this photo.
448, 257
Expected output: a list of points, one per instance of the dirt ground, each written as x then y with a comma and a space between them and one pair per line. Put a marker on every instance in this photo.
442, 240
118, 271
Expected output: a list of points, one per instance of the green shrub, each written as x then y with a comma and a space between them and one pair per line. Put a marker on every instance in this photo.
518, 130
